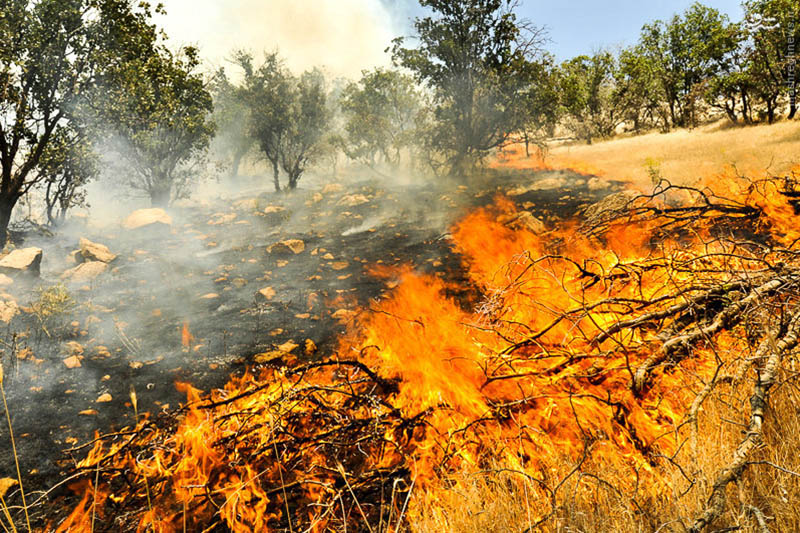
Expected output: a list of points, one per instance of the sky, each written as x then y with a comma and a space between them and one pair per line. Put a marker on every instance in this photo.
348, 36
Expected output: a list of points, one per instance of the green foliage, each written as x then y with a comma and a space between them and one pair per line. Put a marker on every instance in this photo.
477, 60
588, 95
52, 53
231, 114
158, 106
768, 24
68, 163
684, 52
288, 117
380, 117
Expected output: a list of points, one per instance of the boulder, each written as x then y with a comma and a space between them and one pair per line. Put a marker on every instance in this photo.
85, 271
147, 218
24, 260
92, 251
524, 220
608, 208
287, 247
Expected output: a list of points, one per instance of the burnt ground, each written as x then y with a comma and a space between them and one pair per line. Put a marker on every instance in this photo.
126, 328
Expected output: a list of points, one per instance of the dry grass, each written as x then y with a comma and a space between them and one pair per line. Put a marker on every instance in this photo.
682, 156
500, 500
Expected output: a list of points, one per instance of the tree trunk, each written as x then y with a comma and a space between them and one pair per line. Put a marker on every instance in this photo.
275, 176
6, 208
159, 197
293, 179
237, 161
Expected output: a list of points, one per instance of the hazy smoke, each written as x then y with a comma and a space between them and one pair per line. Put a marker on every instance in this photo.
343, 36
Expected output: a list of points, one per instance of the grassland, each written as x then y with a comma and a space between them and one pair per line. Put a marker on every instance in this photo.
682, 156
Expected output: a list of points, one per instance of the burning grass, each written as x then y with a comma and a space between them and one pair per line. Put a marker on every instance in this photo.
620, 374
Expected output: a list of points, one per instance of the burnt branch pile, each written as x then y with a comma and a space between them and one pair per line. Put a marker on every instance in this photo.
602, 357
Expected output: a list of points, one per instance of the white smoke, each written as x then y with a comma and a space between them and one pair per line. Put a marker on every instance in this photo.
342, 36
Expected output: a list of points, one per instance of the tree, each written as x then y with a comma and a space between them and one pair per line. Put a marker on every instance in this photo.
289, 117
640, 91
477, 60
308, 122
380, 116
68, 163
231, 116
773, 25
268, 93
51, 54
588, 95
159, 109
683, 53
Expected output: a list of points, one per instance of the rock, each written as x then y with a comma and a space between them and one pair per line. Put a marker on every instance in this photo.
147, 218
267, 293
92, 251
524, 220
72, 361
332, 188
275, 214
24, 260
353, 200
85, 271
609, 207
8, 310
287, 247
75, 257
5, 281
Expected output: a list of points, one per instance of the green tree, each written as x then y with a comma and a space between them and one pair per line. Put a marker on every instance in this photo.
380, 117
640, 91
233, 141
309, 118
772, 24
51, 54
268, 93
587, 90
159, 109
683, 53
289, 117
68, 163
477, 60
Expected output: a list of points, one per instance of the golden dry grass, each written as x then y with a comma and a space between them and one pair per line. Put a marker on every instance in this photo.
500, 500
682, 156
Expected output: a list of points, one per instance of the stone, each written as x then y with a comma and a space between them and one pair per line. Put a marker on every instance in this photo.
267, 293
524, 220
147, 218
5, 281
608, 208
8, 310
353, 200
92, 251
85, 271
24, 260
287, 247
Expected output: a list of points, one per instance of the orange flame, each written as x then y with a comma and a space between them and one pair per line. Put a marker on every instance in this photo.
186, 337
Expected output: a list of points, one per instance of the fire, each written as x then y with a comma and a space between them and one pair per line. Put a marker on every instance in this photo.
551, 369
186, 336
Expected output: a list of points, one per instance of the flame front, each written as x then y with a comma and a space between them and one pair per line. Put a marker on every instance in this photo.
554, 369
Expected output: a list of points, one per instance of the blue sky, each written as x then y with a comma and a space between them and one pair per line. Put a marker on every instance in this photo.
581, 26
